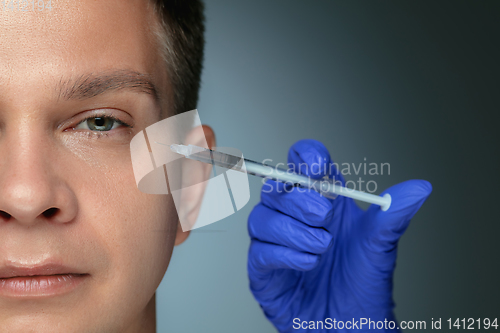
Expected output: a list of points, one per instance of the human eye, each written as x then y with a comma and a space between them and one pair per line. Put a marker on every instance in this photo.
101, 123
114, 125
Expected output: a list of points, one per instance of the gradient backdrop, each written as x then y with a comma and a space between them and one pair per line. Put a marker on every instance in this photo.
414, 84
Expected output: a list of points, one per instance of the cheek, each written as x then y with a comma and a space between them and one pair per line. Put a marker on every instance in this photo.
138, 231
144, 243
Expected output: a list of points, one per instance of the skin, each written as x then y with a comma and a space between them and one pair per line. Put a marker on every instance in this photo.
102, 225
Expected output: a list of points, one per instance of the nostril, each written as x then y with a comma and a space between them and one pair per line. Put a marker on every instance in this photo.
5, 215
50, 212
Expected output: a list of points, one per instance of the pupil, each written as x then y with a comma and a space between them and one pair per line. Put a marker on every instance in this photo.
99, 121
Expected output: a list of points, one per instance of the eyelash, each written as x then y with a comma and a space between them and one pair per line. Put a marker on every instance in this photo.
99, 134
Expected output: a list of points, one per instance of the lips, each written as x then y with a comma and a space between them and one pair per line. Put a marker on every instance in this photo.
39, 281
24, 271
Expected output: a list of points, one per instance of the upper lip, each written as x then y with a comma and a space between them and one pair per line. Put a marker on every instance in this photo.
13, 271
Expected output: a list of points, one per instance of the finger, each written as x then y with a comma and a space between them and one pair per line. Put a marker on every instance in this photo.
302, 204
270, 226
388, 226
273, 271
264, 258
311, 158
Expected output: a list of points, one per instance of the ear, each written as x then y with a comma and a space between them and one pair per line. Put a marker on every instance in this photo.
194, 173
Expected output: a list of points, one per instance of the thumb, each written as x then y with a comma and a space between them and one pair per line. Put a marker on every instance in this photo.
310, 158
387, 227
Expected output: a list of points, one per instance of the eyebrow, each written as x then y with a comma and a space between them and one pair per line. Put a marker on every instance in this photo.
92, 84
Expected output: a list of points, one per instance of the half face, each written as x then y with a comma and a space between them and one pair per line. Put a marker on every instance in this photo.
81, 248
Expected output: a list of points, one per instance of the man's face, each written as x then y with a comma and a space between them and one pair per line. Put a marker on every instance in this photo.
75, 87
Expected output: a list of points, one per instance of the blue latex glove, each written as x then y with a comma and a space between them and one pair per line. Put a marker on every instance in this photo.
314, 258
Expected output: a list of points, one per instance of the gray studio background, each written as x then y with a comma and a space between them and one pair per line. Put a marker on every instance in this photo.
414, 84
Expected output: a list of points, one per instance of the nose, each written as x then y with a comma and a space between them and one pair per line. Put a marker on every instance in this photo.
32, 188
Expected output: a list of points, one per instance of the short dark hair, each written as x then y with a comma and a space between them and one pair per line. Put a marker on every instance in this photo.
181, 39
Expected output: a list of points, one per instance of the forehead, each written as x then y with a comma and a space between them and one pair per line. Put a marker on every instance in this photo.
77, 37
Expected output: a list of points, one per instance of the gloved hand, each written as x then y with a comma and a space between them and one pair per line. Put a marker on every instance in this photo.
314, 258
